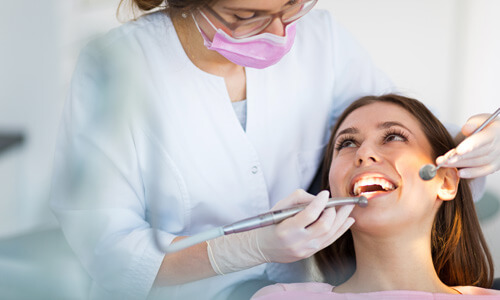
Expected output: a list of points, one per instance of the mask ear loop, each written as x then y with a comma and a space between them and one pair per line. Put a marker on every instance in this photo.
206, 40
206, 18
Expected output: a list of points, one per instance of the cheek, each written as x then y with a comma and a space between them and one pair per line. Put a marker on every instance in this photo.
416, 189
408, 164
336, 177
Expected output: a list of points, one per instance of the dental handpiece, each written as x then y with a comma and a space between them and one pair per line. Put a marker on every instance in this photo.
277, 216
427, 172
262, 220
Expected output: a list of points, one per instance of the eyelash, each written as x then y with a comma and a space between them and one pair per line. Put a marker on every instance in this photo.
398, 132
339, 145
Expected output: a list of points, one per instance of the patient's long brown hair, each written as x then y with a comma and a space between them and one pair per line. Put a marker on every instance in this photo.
459, 251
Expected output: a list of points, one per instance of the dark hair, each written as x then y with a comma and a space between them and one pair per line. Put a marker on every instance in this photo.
459, 251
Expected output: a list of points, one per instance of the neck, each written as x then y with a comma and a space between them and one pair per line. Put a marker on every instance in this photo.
192, 42
394, 263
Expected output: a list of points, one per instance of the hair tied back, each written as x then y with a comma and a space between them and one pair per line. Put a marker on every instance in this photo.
146, 5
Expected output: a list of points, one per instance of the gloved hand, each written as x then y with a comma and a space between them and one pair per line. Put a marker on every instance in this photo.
307, 232
293, 239
478, 155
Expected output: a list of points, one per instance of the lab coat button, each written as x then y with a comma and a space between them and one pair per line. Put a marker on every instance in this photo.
255, 169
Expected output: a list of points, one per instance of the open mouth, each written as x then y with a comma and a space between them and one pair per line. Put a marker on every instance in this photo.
368, 186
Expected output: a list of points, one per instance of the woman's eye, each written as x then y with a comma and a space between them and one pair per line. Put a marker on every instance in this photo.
395, 137
345, 144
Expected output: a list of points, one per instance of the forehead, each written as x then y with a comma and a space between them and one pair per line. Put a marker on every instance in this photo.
379, 112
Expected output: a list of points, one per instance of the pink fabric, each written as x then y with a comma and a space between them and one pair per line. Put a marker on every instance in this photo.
323, 291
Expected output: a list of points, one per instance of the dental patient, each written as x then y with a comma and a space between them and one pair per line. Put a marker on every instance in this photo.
416, 239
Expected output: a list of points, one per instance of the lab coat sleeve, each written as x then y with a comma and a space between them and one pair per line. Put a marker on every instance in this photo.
97, 192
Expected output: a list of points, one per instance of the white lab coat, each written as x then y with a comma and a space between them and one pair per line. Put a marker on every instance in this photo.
148, 138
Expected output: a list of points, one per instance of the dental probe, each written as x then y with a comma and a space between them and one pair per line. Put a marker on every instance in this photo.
262, 220
427, 172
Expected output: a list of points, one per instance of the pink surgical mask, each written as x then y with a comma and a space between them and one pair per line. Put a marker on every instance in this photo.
258, 51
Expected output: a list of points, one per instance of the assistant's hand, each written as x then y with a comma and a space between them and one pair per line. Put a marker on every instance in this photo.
478, 155
305, 233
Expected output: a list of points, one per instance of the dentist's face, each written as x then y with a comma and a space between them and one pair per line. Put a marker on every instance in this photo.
238, 11
379, 149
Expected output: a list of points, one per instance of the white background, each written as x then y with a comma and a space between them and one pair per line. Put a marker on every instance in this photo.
443, 52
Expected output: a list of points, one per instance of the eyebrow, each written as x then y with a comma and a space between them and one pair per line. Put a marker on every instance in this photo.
390, 124
350, 130
384, 125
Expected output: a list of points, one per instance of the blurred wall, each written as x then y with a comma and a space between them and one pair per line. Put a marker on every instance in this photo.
443, 52
40, 41
30, 101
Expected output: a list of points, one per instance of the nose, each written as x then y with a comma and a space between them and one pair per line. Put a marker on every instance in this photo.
366, 155
276, 27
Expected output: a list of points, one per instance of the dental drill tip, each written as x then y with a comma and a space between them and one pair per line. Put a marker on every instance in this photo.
427, 172
362, 202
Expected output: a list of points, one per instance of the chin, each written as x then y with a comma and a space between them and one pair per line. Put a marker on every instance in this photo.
374, 218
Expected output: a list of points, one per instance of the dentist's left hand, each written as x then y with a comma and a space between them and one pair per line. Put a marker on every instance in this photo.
479, 154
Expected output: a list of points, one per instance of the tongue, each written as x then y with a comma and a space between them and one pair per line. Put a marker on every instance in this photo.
371, 188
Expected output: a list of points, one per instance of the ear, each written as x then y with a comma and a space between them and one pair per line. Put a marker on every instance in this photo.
449, 184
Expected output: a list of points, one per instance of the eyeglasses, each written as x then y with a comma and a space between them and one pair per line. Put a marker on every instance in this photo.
249, 27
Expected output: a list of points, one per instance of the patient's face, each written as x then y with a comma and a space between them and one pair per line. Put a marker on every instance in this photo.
379, 149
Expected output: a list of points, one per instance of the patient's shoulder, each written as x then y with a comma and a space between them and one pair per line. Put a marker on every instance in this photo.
302, 286
474, 290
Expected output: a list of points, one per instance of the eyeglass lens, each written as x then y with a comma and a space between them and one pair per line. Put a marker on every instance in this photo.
295, 12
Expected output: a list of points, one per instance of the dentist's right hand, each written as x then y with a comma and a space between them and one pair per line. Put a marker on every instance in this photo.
295, 238
307, 232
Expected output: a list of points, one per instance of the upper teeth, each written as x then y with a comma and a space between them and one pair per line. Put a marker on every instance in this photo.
386, 185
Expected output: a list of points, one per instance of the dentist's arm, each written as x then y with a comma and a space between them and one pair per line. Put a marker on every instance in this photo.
296, 238
184, 266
